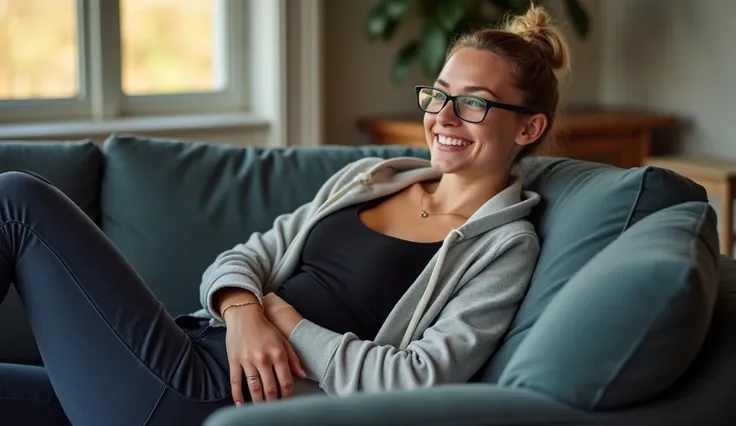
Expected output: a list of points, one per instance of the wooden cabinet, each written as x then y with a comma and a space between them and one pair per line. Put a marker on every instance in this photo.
618, 137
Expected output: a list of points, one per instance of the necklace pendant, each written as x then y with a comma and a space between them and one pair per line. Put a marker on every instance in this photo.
424, 214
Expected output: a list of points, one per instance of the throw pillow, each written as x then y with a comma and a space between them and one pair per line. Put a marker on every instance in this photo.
629, 323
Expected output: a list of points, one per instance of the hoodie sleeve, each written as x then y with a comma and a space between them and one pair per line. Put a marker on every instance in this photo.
249, 265
453, 349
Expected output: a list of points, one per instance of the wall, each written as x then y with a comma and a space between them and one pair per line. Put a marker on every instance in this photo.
352, 64
675, 56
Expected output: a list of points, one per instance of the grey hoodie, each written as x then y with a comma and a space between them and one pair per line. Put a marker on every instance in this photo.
448, 322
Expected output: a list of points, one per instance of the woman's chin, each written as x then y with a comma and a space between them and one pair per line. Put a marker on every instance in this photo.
448, 162
445, 167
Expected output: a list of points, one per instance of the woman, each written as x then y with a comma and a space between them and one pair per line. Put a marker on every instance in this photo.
399, 274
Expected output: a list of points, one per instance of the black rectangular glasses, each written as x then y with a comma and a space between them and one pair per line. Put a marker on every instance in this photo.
470, 108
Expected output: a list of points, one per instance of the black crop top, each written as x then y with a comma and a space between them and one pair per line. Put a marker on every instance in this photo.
350, 277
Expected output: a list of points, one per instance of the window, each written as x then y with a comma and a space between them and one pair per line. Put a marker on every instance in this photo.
68, 59
38, 41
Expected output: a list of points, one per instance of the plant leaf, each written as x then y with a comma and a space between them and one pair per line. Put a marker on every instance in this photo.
388, 32
579, 17
402, 64
377, 23
396, 10
450, 12
432, 48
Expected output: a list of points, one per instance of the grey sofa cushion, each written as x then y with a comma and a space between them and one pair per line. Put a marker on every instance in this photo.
726, 275
585, 207
630, 322
172, 206
449, 405
75, 167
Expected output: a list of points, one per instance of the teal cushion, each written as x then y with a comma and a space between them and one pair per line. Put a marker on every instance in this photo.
630, 322
75, 168
172, 206
585, 206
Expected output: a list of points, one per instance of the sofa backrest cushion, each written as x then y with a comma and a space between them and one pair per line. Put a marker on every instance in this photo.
585, 207
172, 206
75, 167
630, 322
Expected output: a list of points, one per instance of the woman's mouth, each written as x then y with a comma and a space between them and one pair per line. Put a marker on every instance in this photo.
447, 143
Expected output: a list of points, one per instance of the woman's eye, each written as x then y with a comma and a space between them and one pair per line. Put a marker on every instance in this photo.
474, 103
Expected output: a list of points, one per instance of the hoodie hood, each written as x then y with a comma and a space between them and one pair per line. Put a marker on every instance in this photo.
511, 204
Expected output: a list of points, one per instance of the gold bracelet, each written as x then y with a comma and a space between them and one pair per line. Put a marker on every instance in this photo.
235, 305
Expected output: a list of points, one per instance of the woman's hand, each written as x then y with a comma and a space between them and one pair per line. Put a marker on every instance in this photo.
255, 346
279, 313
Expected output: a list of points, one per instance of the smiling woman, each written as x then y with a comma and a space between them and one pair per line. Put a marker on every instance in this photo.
503, 88
399, 274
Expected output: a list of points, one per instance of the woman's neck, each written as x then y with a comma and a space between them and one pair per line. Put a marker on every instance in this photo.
463, 195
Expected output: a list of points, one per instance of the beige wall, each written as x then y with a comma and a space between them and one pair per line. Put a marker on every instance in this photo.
676, 56
351, 63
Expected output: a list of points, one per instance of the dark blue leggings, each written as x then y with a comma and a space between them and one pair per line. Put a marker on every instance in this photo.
111, 353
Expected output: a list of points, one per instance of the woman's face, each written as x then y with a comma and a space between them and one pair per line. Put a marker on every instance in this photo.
491, 145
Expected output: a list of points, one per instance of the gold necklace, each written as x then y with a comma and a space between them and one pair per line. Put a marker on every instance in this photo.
425, 214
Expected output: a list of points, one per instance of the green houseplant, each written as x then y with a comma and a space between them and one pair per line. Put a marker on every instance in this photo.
443, 20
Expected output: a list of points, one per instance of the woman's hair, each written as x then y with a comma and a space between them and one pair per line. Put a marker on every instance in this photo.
535, 50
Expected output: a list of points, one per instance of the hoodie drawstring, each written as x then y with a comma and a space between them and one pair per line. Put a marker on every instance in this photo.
433, 280
362, 179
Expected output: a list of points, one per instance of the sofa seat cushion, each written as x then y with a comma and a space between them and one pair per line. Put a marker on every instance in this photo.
585, 206
630, 322
172, 206
75, 167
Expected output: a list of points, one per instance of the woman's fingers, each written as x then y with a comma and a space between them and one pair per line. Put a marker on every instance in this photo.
236, 383
283, 375
254, 382
268, 381
294, 363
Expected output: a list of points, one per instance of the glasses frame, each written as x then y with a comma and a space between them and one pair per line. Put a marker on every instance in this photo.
489, 104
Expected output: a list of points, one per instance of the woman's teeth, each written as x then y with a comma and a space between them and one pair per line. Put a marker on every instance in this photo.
444, 140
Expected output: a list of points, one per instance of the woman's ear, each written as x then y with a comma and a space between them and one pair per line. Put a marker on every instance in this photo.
533, 129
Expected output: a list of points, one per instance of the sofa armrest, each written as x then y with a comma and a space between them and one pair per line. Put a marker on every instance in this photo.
450, 405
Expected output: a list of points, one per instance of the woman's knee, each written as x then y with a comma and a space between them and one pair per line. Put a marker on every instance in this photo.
23, 184
21, 175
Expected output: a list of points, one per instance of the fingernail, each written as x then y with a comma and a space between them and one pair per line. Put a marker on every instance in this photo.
238, 404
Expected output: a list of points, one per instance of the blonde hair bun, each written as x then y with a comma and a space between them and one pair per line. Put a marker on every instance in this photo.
535, 27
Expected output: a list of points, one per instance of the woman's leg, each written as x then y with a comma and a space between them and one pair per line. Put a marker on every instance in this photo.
112, 353
27, 398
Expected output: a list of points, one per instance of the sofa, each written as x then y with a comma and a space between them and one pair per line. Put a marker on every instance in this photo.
630, 317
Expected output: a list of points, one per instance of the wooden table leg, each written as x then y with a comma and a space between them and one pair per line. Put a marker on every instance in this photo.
727, 199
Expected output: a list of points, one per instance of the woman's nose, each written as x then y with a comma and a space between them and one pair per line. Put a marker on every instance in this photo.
447, 116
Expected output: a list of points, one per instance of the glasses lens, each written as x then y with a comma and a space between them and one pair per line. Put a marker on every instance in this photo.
471, 108
431, 100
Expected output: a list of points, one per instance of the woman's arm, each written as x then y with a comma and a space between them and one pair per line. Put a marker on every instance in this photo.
248, 266
453, 349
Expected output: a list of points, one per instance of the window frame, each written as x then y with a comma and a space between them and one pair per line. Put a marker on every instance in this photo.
100, 94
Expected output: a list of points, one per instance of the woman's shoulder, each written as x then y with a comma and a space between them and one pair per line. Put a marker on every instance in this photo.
520, 232
371, 168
